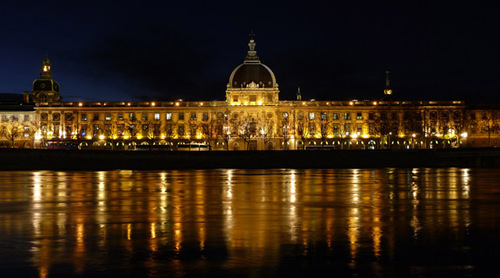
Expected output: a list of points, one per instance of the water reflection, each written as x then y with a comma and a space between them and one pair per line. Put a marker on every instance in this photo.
171, 223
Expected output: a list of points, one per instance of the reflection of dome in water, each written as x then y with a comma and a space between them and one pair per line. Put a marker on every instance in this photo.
252, 73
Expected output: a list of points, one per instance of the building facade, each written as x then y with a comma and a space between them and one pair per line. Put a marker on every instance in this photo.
253, 117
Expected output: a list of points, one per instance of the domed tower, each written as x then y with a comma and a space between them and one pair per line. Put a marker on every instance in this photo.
252, 83
45, 89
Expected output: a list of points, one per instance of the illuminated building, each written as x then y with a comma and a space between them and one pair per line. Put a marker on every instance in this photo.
254, 118
17, 122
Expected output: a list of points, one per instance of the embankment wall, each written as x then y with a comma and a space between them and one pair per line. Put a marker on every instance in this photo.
35, 159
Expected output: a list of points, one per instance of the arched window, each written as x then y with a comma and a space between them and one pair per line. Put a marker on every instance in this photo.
43, 98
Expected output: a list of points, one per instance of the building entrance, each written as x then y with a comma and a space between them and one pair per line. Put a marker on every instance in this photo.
252, 145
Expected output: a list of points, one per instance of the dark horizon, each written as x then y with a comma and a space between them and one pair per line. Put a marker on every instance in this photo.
339, 51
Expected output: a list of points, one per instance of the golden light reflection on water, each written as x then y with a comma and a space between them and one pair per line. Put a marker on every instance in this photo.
79, 218
292, 214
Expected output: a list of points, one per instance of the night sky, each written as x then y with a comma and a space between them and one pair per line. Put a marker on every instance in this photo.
333, 50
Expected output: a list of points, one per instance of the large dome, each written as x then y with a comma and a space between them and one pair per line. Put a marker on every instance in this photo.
252, 73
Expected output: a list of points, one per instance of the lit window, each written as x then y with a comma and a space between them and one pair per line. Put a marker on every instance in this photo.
312, 129
108, 117
169, 116
335, 116
359, 116
107, 130
371, 129
180, 130
347, 116
83, 130
84, 117
311, 115
56, 130
347, 128
157, 116
120, 117
131, 116
323, 116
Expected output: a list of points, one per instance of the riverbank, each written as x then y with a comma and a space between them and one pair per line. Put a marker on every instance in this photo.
34, 159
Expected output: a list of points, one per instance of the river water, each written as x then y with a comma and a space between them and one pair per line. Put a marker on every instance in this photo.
250, 223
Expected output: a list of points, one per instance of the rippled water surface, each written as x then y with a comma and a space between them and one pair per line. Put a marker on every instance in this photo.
259, 223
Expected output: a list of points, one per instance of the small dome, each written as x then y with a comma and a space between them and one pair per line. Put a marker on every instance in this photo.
45, 88
43, 84
252, 73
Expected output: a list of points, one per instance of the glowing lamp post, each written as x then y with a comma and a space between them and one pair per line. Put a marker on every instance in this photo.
464, 136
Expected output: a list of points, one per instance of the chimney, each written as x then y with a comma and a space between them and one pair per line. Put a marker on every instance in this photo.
26, 97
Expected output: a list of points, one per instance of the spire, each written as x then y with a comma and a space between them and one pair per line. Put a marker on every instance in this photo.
252, 53
299, 95
387, 90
